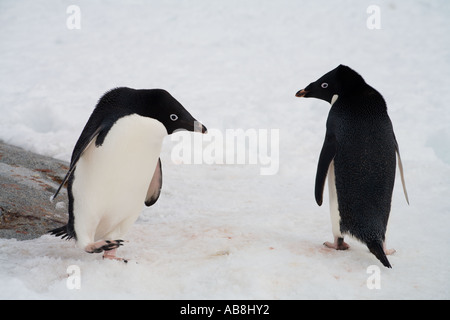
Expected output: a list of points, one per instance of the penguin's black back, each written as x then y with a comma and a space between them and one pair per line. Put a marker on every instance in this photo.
364, 163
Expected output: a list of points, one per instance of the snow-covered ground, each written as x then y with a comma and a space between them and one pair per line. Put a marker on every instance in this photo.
224, 231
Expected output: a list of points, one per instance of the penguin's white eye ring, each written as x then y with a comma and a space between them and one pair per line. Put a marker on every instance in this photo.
173, 117
324, 85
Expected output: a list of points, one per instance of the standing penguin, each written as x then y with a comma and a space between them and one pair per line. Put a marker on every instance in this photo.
115, 166
358, 155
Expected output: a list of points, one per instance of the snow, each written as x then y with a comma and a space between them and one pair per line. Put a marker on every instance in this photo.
224, 231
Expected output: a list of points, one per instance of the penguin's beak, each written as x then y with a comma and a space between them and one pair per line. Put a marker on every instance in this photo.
193, 126
198, 127
301, 93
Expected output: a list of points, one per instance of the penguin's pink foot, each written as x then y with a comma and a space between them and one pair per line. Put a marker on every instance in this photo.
111, 255
338, 244
104, 245
388, 251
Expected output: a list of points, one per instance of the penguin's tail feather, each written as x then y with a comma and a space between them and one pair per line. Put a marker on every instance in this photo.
376, 247
62, 232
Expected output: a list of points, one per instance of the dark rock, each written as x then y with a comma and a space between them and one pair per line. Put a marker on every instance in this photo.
27, 182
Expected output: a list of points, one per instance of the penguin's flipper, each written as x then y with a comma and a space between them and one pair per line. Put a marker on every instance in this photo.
154, 189
326, 156
400, 166
83, 142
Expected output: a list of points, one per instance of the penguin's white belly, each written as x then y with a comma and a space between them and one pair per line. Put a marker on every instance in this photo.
334, 208
111, 181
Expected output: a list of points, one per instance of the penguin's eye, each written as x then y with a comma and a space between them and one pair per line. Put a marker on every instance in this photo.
173, 117
324, 85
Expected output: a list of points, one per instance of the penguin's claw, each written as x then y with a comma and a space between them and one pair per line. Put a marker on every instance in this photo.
111, 255
338, 244
105, 245
389, 251
386, 250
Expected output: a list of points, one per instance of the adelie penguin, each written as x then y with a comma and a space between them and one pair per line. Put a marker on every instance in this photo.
115, 167
359, 157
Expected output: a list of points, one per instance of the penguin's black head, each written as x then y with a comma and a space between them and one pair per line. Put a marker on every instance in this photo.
340, 81
160, 105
